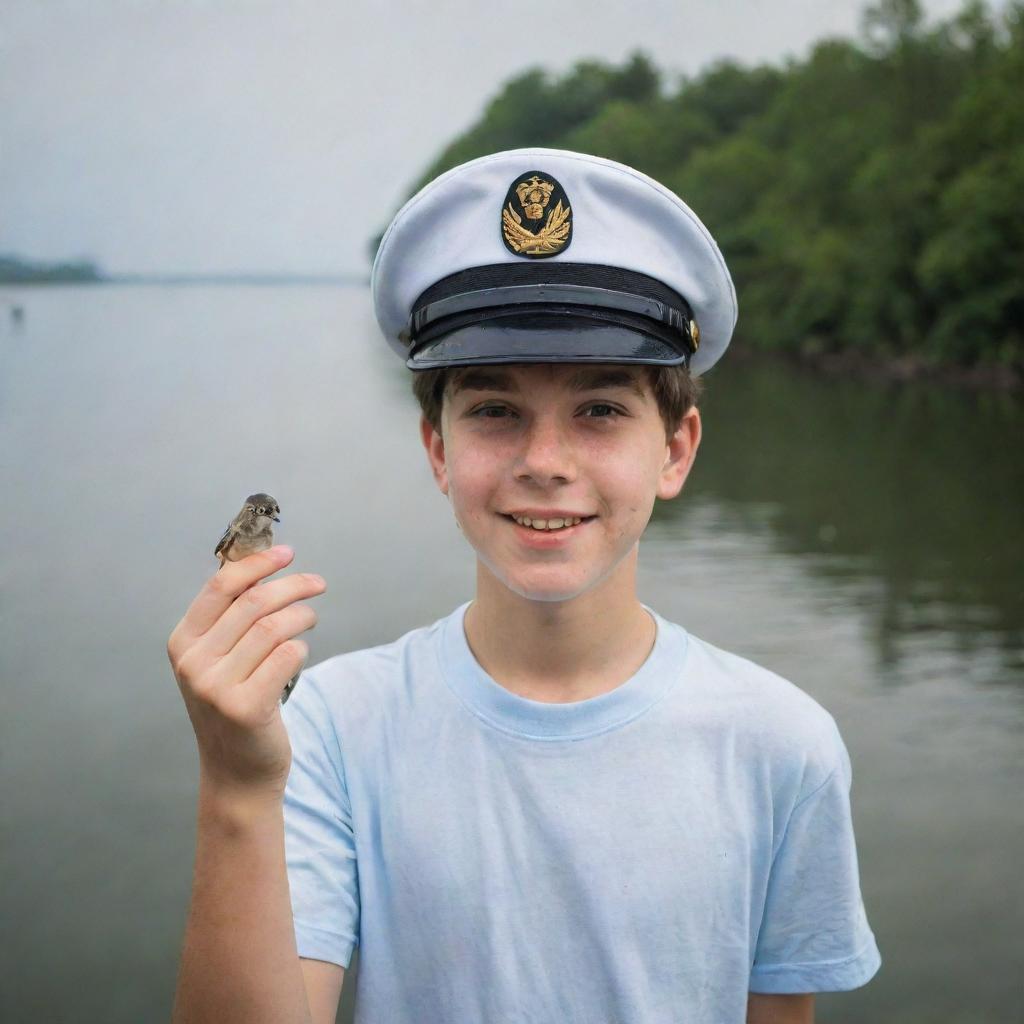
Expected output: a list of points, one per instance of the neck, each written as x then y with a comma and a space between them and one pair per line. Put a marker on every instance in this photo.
560, 651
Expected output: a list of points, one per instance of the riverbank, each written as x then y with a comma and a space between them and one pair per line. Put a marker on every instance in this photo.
903, 369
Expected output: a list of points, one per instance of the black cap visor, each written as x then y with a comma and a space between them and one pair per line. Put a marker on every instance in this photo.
569, 335
555, 313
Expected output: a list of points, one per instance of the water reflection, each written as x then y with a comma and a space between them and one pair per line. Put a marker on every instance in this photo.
907, 495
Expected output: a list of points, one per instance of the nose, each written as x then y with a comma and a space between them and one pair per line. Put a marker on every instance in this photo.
546, 454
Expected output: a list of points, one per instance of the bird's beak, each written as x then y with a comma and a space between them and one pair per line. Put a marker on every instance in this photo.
276, 519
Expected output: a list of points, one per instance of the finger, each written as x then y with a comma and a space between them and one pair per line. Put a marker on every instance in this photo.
225, 585
253, 604
260, 639
276, 670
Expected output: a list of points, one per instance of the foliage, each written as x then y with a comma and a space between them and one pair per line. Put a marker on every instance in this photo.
14, 270
867, 197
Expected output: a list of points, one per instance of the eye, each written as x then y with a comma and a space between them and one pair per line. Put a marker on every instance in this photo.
261, 511
603, 405
483, 412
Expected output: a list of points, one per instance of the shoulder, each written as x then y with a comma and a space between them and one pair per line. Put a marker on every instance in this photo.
735, 676
779, 723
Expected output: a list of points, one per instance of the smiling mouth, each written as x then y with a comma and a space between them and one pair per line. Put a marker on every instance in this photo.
549, 525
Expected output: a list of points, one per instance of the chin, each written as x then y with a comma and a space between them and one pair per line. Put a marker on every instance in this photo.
539, 589
547, 595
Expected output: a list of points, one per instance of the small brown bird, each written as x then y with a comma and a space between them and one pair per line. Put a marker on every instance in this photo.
250, 531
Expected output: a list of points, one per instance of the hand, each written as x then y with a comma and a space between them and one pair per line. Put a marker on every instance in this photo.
232, 655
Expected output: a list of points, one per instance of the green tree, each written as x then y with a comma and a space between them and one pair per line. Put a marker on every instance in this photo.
866, 198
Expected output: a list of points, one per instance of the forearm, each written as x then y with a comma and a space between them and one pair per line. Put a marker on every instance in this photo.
239, 961
780, 1009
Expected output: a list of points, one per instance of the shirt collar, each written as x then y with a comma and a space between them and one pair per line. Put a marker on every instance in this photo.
576, 720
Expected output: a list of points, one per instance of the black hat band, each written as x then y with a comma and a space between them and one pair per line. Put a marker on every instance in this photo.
609, 294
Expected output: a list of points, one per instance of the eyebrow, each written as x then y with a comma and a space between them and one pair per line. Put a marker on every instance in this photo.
582, 380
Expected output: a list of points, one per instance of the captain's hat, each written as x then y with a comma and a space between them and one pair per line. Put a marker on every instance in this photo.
543, 255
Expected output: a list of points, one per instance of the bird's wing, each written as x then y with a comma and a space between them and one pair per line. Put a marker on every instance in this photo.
223, 543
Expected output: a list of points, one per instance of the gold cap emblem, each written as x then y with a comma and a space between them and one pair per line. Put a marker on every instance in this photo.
529, 196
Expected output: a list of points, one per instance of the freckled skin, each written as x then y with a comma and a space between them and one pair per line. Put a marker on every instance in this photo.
600, 452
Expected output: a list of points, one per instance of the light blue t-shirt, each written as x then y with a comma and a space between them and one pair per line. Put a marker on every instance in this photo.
646, 856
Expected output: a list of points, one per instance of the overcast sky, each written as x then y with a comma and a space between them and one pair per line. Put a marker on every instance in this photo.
226, 135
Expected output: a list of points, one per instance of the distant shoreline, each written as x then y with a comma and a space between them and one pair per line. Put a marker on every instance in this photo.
910, 369
14, 270
189, 279
896, 369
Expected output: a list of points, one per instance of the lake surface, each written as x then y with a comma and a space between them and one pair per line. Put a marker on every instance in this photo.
864, 541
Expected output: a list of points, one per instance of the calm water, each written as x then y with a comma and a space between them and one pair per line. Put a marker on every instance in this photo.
865, 542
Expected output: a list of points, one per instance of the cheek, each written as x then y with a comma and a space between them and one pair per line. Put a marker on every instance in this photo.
631, 477
471, 482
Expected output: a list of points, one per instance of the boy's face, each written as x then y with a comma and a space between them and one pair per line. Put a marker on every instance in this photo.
550, 439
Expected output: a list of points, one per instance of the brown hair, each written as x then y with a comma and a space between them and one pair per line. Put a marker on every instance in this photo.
674, 390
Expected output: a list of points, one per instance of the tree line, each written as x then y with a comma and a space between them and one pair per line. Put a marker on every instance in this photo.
15, 270
868, 198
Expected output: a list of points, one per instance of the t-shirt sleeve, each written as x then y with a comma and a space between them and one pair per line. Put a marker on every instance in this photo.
814, 934
320, 850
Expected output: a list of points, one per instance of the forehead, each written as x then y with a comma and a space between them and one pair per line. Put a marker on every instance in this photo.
570, 376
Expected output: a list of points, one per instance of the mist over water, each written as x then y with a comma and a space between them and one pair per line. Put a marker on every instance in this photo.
862, 540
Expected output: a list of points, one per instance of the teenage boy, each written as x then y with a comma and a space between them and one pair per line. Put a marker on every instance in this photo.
552, 805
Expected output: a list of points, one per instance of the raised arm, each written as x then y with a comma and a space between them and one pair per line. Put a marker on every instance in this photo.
232, 654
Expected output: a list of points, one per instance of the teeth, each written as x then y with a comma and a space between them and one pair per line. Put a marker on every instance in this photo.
547, 524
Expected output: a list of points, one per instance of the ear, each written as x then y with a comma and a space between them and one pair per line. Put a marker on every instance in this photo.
434, 444
680, 451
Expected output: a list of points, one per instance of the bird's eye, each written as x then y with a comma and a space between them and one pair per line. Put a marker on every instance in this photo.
261, 511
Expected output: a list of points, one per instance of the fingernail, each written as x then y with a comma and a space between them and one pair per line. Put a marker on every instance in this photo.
282, 552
